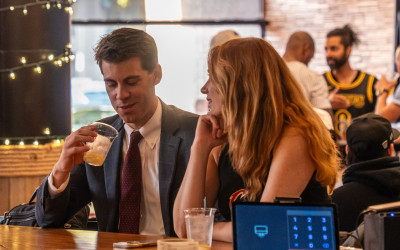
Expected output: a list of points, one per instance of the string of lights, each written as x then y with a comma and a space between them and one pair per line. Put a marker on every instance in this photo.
47, 4
31, 140
65, 57
58, 60
34, 140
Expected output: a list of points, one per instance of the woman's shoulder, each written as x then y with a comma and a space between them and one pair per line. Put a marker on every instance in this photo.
292, 140
292, 132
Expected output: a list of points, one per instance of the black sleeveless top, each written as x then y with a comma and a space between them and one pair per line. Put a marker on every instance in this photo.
231, 187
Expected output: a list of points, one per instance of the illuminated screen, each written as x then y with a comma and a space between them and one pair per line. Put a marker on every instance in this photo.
284, 226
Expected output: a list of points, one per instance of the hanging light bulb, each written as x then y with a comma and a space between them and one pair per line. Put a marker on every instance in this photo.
7, 142
48, 5
25, 10
12, 8
72, 57
46, 131
58, 141
59, 5
23, 60
12, 75
38, 69
51, 57
36, 143
59, 62
69, 10
21, 143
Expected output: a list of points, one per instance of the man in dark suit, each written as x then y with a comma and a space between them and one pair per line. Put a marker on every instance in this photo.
128, 61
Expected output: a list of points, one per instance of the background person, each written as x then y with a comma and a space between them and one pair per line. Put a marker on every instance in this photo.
128, 61
388, 103
351, 91
299, 52
223, 36
278, 145
373, 175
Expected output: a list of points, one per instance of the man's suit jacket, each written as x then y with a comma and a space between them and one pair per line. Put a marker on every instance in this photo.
102, 184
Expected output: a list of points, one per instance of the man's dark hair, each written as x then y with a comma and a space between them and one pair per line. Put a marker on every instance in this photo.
352, 158
125, 43
347, 36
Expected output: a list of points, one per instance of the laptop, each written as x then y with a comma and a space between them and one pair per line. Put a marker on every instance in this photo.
284, 226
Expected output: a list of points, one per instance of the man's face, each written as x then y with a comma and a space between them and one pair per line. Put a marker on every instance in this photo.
131, 90
335, 53
214, 99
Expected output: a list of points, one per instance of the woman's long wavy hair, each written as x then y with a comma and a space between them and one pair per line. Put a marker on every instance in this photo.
260, 99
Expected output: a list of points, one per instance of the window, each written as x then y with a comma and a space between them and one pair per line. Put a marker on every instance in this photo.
183, 45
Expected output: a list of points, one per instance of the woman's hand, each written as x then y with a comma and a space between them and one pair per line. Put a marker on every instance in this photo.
210, 132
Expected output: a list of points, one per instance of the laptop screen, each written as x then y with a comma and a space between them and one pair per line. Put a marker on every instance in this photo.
284, 226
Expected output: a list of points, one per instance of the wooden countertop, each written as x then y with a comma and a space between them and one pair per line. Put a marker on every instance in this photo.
18, 237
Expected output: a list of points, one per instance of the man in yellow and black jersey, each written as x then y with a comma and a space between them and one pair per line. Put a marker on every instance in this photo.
351, 91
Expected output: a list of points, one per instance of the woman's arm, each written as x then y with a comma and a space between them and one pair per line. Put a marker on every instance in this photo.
222, 231
290, 171
201, 176
291, 167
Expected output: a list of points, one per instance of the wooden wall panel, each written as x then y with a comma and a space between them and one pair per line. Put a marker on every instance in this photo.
4, 195
22, 170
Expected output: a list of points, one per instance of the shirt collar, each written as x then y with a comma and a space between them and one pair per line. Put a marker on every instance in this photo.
151, 130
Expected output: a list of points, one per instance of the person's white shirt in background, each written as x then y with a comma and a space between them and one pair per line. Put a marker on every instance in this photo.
314, 85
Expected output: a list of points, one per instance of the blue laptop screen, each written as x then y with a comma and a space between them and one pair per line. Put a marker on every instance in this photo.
283, 226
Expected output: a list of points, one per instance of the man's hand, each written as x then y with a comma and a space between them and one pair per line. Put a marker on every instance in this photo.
338, 101
384, 84
72, 153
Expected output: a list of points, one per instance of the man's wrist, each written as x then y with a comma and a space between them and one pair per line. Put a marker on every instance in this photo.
53, 189
380, 92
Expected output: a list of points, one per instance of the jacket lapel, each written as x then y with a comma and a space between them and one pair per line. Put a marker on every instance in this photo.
112, 163
169, 145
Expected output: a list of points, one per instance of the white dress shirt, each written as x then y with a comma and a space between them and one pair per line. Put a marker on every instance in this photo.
151, 222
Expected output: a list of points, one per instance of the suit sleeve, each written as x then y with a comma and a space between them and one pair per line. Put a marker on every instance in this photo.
54, 212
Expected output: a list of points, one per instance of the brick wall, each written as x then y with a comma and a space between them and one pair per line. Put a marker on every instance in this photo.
373, 20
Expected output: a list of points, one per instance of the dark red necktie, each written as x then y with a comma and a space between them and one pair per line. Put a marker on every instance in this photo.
131, 188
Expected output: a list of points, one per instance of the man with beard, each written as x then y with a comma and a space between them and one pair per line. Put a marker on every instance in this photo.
351, 91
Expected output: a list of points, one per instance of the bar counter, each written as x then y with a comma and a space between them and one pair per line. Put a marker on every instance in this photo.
18, 237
